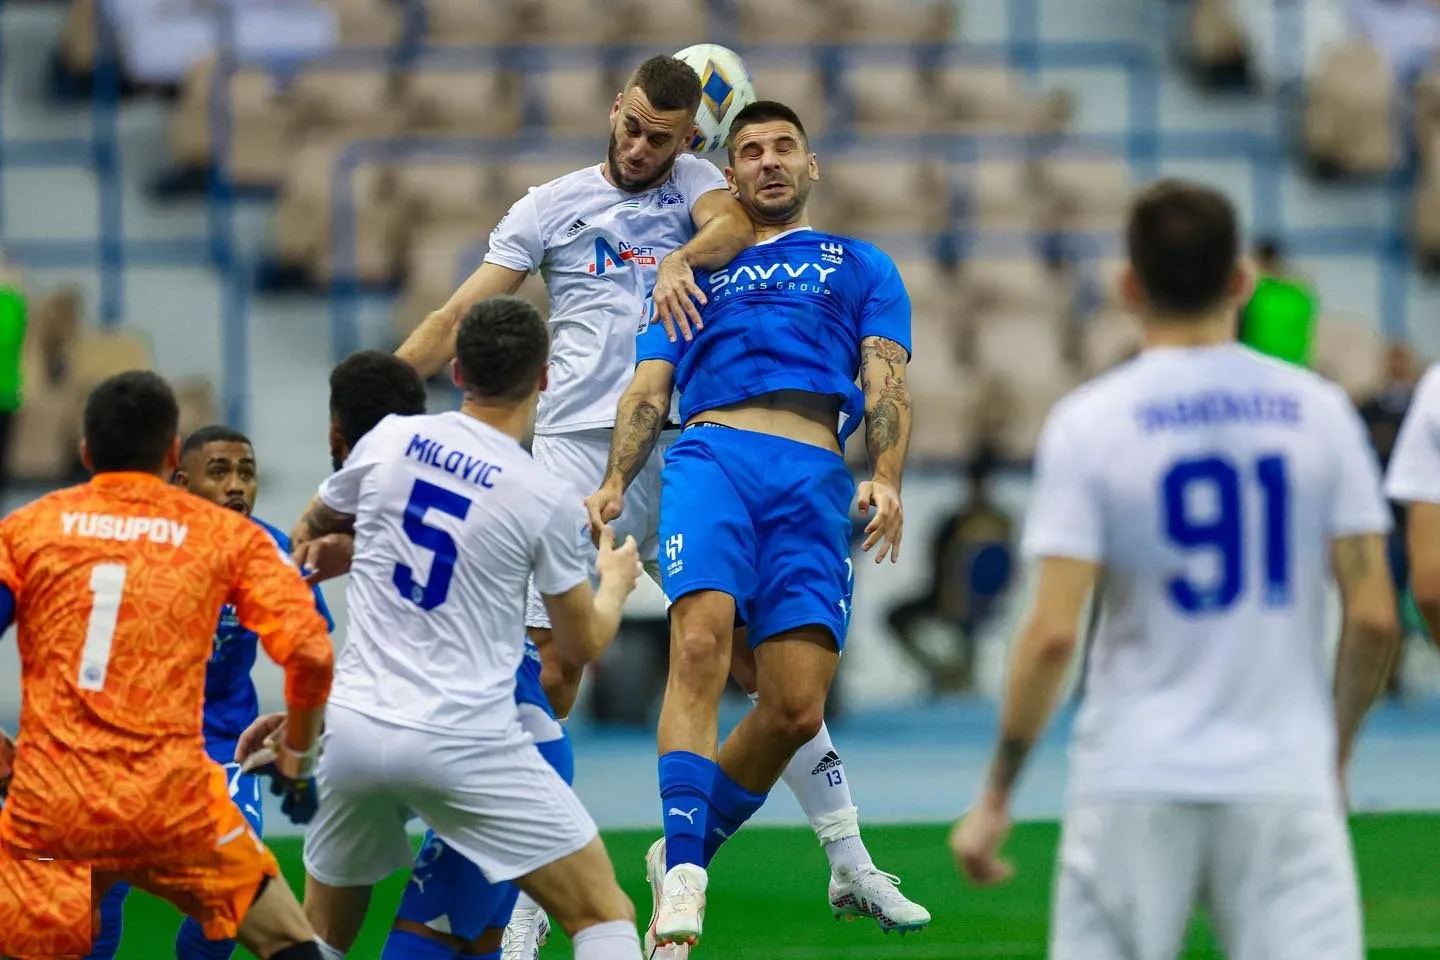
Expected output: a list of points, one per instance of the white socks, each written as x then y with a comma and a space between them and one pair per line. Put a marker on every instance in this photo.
616, 940
329, 952
817, 778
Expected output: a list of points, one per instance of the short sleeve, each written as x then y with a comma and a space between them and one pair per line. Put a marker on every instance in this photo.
341, 490
515, 243
1065, 517
886, 310
651, 341
1414, 472
564, 554
695, 177
1357, 501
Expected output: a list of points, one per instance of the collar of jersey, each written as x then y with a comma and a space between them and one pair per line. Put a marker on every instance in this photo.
123, 476
781, 236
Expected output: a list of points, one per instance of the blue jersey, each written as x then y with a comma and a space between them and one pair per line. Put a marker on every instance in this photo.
230, 701
786, 314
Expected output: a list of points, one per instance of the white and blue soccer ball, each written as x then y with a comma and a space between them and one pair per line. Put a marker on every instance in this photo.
725, 89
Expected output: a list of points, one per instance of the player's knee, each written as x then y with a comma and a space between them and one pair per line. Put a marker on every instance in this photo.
794, 721
698, 655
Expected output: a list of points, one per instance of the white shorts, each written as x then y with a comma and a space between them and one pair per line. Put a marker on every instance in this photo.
1277, 877
581, 458
496, 801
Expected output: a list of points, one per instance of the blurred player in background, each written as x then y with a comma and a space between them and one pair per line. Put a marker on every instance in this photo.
602, 237
755, 509
424, 719
217, 464
1413, 479
115, 585
1209, 757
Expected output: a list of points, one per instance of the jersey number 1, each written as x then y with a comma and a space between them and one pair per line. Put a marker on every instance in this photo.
1222, 529
425, 497
107, 587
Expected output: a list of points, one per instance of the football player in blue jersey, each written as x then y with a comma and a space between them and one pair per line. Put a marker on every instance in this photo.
755, 505
219, 465
449, 909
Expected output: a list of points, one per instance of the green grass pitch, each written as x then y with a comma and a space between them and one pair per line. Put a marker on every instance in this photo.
767, 897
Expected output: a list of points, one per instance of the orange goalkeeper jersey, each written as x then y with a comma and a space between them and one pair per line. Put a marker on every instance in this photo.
118, 584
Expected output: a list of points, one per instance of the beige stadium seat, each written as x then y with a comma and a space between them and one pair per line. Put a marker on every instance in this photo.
1350, 124
1427, 113
196, 396
301, 230
100, 353
436, 263
260, 129
78, 42
1084, 193
438, 99
792, 22
1425, 214
675, 22
890, 99
567, 22
45, 446
981, 97
520, 174
870, 197
359, 101
1108, 339
945, 395
934, 293
1012, 284
433, 191
1350, 351
469, 22
369, 23
1022, 352
889, 21
998, 195
799, 88
534, 292
1216, 38
578, 101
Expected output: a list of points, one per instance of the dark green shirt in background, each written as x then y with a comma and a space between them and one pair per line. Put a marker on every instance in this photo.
12, 342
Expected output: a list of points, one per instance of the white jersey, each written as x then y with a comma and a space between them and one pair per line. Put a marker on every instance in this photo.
1208, 484
597, 248
451, 518
1414, 472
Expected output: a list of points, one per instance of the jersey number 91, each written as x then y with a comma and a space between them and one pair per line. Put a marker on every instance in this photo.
1222, 529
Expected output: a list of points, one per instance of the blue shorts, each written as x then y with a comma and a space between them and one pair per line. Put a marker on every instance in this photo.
764, 519
245, 788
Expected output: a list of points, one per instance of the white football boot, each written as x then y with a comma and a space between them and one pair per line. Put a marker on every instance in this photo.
525, 934
678, 949
868, 892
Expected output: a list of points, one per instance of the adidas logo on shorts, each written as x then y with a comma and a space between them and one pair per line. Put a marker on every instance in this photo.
830, 761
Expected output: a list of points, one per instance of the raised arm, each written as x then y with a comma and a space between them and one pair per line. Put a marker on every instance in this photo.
887, 439
1369, 635
432, 344
640, 416
722, 230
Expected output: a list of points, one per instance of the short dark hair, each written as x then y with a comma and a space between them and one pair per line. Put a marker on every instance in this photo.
130, 422
1183, 241
501, 348
214, 433
668, 83
764, 111
370, 385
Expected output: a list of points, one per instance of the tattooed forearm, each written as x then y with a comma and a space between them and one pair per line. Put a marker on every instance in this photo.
637, 428
1009, 761
887, 406
321, 521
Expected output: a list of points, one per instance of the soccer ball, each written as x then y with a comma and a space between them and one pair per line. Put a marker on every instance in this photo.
725, 90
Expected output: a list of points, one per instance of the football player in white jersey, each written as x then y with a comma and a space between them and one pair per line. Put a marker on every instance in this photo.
451, 517
601, 237
1413, 478
1217, 491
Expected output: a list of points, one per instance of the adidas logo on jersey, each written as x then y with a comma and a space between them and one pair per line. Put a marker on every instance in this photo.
575, 228
830, 761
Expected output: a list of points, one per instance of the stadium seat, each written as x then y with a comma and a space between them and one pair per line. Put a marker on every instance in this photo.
567, 22
439, 258
934, 294
443, 99
469, 22
78, 41
890, 99
1350, 123
799, 88
1107, 339
674, 22
1012, 284
578, 100
260, 131
1350, 351
534, 292
997, 195
886, 21
99, 353
1022, 352
45, 443
369, 23
519, 174
1083, 193
339, 97
792, 23
196, 396
432, 191
945, 396
979, 97
1216, 40
868, 197
1426, 104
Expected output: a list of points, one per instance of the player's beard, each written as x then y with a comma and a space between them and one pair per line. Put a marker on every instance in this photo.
617, 173
779, 211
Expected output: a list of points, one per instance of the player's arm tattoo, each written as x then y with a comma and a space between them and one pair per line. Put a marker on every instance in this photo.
638, 423
321, 520
887, 406
1009, 760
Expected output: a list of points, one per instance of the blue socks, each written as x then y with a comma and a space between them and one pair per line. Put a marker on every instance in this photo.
686, 780
190, 944
112, 913
404, 945
730, 806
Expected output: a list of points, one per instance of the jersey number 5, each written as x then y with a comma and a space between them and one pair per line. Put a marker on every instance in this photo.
425, 497
1221, 529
